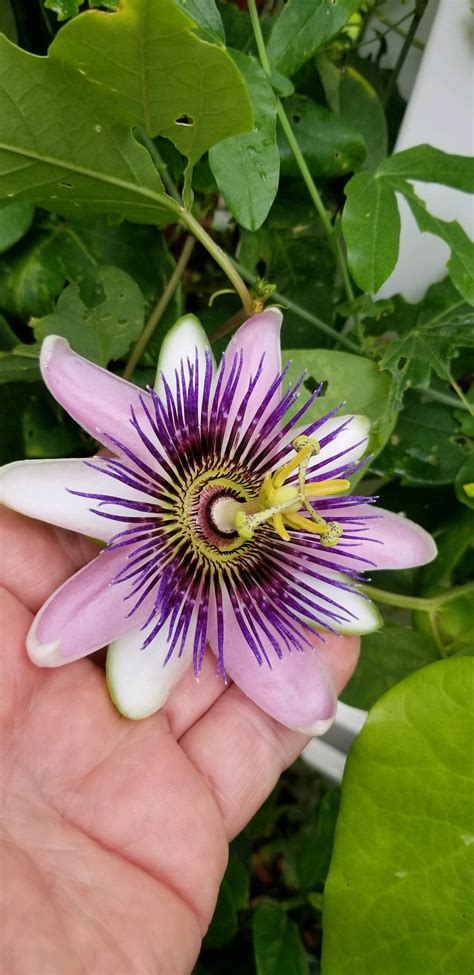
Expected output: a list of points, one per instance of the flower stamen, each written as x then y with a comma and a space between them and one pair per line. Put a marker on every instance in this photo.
280, 502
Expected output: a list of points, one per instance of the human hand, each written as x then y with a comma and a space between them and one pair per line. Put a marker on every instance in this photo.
115, 833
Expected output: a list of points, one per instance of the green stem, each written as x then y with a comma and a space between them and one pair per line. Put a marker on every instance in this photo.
420, 7
464, 403
160, 165
428, 605
221, 258
300, 160
160, 307
301, 312
437, 397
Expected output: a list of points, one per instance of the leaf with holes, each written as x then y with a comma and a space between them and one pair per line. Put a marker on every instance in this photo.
102, 331
81, 158
207, 17
247, 166
304, 27
157, 74
330, 145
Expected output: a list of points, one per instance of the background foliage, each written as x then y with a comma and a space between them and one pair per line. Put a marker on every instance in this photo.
273, 143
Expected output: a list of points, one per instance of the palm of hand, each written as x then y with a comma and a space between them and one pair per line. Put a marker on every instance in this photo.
116, 833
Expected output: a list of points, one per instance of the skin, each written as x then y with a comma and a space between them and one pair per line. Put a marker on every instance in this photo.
114, 833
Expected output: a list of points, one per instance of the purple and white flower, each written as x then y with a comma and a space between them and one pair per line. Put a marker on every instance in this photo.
222, 521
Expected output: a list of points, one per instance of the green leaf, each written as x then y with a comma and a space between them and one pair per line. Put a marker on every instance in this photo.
206, 15
424, 449
157, 74
32, 425
81, 158
233, 897
331, 146
64, 9
430, 165
387, 657
353, 380
371, 227
464, 482
362, 108
304, 27
276, 942
416, 340
246, 167
104, 330
460, 265
20, 364
15, 221
396, 899
7, 21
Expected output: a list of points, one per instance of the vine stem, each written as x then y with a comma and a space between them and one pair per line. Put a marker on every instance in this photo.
420, 7
220, 257
299, 158
160, 307
428, 605
301, 312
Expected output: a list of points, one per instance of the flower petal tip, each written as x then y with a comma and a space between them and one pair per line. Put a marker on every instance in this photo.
48, 348
43, 654
318, 728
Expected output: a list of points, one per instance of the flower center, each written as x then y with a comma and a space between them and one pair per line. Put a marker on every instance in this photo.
280, 504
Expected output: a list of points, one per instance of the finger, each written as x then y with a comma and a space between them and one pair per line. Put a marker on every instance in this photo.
193, 696
241, 751
36, 558
17, 674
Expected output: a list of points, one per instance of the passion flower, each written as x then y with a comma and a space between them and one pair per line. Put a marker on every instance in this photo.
223, 523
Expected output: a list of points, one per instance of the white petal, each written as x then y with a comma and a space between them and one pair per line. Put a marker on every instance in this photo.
139, 682
41, 489
366, 617
181, 343
355, 431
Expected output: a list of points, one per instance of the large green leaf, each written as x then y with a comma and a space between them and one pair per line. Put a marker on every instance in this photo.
398, 896
304, 27
387, 656
276, 942
7, 21
157, 74
103, 329
233, 897
80, 158
431, 165
353, 380
371, 227
247, 166
330, 144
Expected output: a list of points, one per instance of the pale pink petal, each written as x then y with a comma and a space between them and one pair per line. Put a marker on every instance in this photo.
398, 543
140, 681
347, 447
258, 339
84, 614
42, 489
99, 401
296, 690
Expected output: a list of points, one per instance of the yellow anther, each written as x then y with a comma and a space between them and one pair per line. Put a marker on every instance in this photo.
332, 535
306, 524
242, 527
323, 488
306, 448
278, 525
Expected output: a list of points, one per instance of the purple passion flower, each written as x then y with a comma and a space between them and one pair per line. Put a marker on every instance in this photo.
223, 524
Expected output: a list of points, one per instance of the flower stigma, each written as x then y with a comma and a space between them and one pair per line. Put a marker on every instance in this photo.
280, 503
